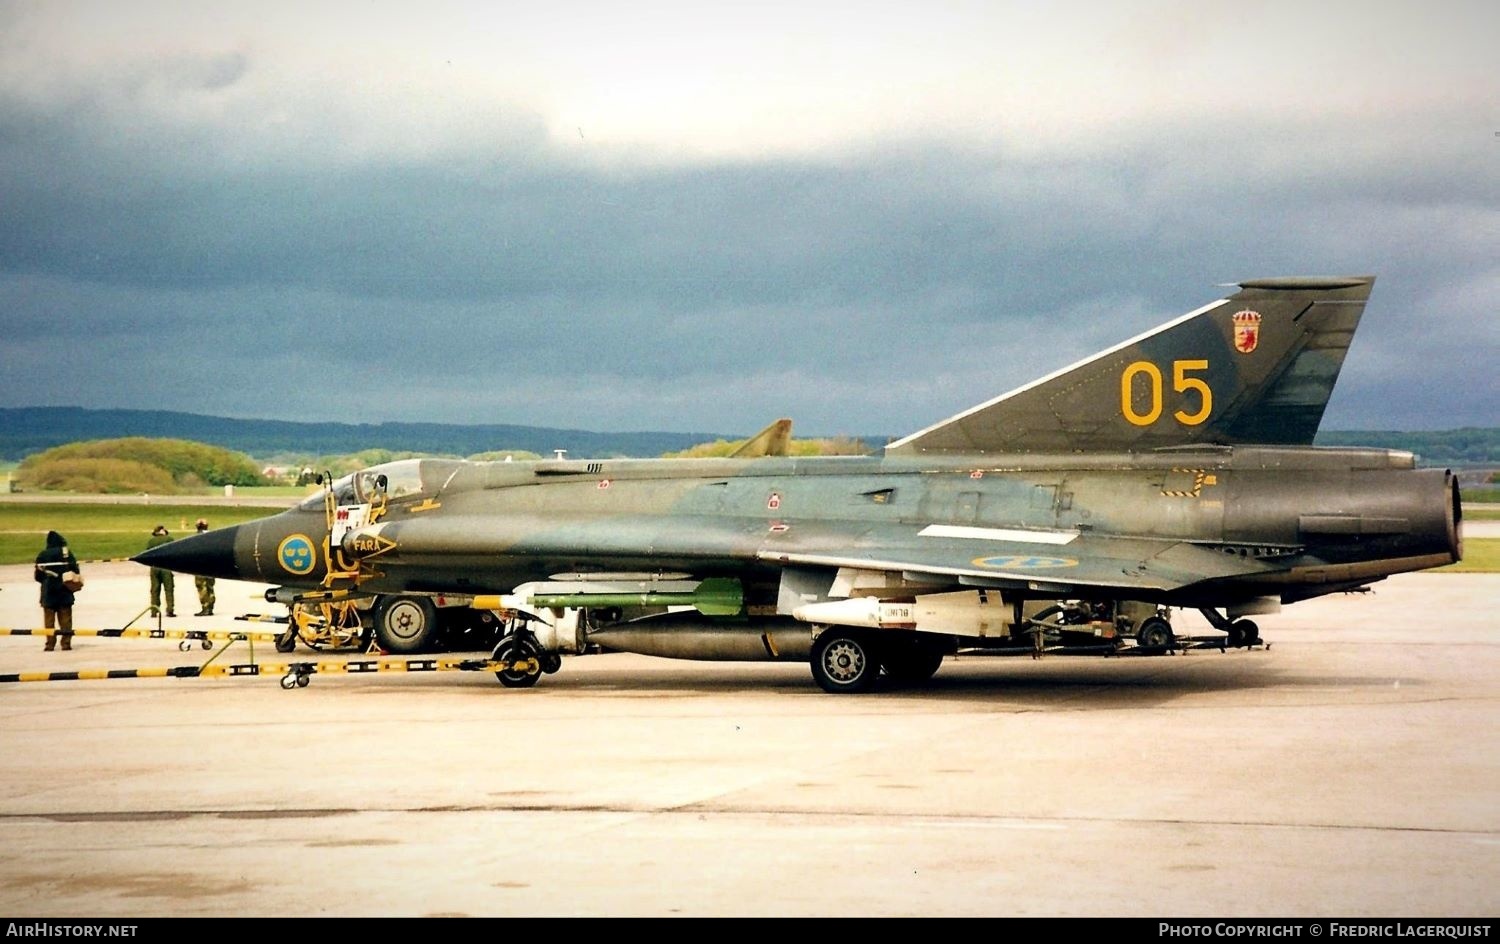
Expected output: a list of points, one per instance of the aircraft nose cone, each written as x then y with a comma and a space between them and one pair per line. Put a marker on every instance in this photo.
210, 554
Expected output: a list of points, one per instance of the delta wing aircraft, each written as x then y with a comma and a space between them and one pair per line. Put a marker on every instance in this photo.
1173, 470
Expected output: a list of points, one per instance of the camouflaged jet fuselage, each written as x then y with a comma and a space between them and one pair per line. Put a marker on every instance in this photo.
1174, 470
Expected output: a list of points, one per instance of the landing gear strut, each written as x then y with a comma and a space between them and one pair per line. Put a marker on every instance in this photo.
526, 658
1240, 633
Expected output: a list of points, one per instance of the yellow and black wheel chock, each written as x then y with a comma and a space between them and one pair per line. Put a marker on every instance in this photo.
187, 637
293, 674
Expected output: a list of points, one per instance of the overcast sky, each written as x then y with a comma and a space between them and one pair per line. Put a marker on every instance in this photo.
699, 216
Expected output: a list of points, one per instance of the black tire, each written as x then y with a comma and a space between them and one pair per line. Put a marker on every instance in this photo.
845, 662
517, 650
286, 641
910, 662
1154, 633
406, 624
1243, 633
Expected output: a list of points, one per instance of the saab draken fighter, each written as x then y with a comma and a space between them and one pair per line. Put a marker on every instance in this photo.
1173, 470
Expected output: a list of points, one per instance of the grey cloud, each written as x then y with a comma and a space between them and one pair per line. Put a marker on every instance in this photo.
872, 292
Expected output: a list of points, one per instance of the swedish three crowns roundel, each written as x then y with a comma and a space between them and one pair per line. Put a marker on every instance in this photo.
296, 554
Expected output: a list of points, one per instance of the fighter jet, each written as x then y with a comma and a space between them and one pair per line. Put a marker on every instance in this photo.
1174, 470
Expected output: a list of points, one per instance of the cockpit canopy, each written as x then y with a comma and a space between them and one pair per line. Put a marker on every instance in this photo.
391, 480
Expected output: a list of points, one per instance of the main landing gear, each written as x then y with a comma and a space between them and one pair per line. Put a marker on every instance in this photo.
850, 661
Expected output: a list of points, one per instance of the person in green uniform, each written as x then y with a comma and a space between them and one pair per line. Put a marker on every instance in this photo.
205, 585
161, 578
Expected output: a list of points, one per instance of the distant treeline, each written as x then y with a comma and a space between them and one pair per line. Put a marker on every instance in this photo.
28, 430
1471, 445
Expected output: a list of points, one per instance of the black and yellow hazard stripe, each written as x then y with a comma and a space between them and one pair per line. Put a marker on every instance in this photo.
129, 633
286, 669
185, 671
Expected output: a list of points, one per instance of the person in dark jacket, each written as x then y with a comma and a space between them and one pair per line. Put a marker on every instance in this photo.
52, 563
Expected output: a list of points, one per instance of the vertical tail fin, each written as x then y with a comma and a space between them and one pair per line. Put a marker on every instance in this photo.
771, 441
1256, 367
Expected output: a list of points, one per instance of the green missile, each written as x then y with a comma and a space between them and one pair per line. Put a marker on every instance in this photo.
716, 596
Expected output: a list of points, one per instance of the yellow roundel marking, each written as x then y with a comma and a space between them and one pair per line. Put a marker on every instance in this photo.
1024, 562
296, 554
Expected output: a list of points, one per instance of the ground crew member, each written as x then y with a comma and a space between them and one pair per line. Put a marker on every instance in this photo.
161, 578
52, 563
205, 585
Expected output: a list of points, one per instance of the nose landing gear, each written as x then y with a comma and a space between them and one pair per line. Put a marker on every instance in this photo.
525, 658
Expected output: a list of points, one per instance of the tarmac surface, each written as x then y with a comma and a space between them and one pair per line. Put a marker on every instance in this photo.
1351, 769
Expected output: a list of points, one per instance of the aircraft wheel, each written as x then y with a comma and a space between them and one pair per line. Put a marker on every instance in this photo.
1154, 633
844, 662
519, 650
1243, 633
406, 624
287, 641
551, 662
911, 663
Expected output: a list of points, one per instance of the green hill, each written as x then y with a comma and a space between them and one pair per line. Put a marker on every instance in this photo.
135, 464
27, 430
